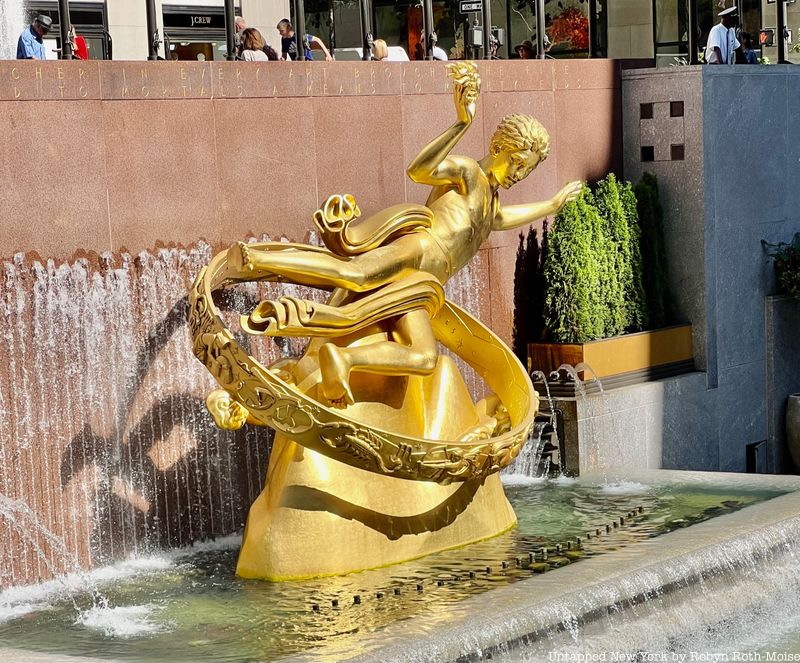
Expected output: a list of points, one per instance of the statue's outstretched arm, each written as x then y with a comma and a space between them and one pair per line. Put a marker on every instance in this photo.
431, 166
509, 217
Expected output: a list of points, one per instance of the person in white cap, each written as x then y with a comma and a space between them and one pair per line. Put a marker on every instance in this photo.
722, 42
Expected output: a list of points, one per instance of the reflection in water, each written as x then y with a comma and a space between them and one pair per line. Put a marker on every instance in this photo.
191, 607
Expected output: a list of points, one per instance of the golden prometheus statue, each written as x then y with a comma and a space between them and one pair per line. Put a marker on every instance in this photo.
380, 454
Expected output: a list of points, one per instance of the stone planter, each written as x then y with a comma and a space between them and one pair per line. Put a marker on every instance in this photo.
793, 427
622, 360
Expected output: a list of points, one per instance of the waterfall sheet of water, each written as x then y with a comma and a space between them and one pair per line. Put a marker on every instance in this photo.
12, 22
104, 434
103, 429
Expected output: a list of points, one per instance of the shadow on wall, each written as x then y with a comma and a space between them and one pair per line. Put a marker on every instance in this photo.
151, 491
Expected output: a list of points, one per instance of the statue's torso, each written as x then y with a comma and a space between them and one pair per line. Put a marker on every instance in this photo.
463, 219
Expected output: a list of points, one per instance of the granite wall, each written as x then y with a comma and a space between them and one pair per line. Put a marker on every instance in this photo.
723, 142
120, 179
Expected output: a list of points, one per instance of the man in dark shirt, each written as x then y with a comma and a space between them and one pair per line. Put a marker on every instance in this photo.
289, 43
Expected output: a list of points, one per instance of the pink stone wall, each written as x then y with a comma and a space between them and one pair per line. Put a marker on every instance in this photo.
129, 154
116, 456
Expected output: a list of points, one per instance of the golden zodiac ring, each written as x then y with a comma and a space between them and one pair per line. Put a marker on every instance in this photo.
273, 402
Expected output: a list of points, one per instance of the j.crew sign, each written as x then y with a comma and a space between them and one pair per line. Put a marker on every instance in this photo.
201, 20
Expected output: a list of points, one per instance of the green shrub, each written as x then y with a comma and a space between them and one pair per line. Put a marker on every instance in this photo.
786, 259
638, 318
572, 306
613, 251
600, 271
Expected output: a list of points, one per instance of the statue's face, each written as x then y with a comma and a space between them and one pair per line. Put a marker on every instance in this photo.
511, 167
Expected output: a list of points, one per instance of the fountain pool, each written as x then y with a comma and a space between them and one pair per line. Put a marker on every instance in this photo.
187, 605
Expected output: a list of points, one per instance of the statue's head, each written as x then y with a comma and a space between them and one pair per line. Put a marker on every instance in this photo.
519, 144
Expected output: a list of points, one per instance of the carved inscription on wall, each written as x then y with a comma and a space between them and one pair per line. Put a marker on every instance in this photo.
26, 81
156, 80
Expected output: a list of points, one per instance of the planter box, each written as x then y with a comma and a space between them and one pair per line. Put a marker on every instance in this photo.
621, 360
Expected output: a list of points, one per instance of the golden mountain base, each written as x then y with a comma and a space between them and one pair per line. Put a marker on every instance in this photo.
319, 517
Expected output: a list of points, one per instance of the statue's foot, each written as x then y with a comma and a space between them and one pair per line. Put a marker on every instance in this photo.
335, 375
239, 257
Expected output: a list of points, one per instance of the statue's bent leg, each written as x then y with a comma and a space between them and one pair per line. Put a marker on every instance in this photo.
325, 270
414, 353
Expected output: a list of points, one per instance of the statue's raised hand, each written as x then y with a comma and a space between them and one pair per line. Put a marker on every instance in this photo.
466, 88
567, 194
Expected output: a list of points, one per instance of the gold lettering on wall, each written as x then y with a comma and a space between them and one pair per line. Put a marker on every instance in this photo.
14, 74
38, 73
17, 92
83, 91
145, 91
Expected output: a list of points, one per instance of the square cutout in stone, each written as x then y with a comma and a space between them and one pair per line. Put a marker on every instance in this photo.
676, 152
646, 111
648, 153
676, 109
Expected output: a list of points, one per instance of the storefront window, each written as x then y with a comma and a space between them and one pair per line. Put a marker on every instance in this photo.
671, 31
195, 33
567, 24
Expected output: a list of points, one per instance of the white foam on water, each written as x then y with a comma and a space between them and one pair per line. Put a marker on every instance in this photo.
22, 600
564, 480
124, 621
18, 601
624, 488
228, 542
522, 480
131, 568
11, 612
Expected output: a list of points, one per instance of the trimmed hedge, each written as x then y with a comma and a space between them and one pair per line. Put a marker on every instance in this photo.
600, 271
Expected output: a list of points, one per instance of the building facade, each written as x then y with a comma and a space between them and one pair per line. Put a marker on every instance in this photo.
188, 30
194, 29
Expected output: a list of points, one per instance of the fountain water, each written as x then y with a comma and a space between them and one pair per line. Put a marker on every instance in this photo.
102, 414
12, 21
186, 604
102, 420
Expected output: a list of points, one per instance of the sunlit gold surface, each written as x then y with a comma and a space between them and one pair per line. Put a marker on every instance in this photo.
372, 402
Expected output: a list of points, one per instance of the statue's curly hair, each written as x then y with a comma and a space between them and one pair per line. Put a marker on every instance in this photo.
521, 132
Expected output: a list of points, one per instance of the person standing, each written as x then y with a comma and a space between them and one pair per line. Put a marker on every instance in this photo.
31, 42
253, 46
747, 46
80, 50
289, 43
380, 51
722, 42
